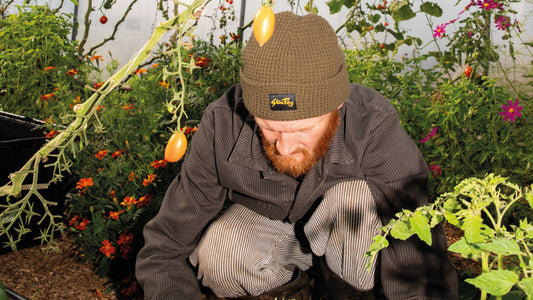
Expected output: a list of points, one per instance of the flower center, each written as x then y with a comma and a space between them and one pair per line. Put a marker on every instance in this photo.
511, 110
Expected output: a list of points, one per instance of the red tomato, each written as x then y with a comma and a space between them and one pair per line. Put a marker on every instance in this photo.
263, 24
103, 19
176, 147
468, 71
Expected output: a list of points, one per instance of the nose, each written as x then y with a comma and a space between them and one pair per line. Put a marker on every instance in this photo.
285, 144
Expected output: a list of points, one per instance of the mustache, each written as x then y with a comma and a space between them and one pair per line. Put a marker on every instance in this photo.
295, 168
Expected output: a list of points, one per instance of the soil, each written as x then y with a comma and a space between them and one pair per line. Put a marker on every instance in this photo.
34, 275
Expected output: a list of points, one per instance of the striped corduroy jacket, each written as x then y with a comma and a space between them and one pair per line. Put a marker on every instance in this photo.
226, 161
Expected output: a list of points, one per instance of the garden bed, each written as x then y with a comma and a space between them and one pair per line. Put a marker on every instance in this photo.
61, 276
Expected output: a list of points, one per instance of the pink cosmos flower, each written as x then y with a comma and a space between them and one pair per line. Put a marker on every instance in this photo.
435, 170
430, 135
440, 31
502, 23
511, 111
487, 4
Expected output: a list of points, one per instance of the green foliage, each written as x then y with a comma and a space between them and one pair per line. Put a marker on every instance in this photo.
35, 57
471, 137
124, 163
478, 206
121, 174
3, 294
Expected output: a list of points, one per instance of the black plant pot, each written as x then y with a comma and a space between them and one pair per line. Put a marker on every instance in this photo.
20, 138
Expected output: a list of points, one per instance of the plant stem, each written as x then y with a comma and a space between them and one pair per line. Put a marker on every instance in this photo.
484, 269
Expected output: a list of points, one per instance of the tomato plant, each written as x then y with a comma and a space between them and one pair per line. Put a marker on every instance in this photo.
468, 71
103, 19
176, 147
263, 24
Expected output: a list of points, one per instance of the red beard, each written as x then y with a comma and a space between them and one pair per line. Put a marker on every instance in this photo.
293, 167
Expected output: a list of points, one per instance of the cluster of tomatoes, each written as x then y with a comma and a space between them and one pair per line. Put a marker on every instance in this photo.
382, 6
230, 2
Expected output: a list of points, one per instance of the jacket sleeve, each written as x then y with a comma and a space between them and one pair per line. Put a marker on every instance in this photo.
397, 176
191, 201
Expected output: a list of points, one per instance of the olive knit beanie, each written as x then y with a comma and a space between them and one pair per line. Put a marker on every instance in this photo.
299, 73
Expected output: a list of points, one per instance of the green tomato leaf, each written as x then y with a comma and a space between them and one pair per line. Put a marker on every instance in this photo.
401, 11
3, 294
526, 284
431, 9
420, 224
496, 283
502, 246
335, 6
379, 243
472, 227
451, 218
401, 230
464, 248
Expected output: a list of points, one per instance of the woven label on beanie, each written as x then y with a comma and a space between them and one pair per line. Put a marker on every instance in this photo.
282, 101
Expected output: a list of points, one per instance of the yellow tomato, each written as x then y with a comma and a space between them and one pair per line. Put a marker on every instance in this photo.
263, 24
176, 147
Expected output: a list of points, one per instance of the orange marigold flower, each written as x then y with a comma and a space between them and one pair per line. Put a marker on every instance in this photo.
72, 72
84, 182
117, 153
128, 106
128, 202
115, 214
125, 238
140, 71
99, 107
73, 220
49, 68
202, 62
107, 249
144, 201
51, 134
48, 96
163, 84
149, 180
132, 176
101, 154
97, 85
81, 226
97, 57
156, 164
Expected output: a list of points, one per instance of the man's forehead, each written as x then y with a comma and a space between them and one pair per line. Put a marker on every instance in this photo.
295, 125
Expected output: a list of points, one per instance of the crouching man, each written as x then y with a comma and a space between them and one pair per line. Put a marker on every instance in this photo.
313, 166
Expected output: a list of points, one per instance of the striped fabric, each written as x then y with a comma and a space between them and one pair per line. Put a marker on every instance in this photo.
342, 229
245, 253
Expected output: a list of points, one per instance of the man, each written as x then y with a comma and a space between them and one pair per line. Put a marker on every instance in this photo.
313, 167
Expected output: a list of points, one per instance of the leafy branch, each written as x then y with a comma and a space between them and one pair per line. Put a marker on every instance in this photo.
478, 207
64, 144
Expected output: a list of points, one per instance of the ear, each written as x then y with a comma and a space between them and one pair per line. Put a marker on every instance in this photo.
340, 105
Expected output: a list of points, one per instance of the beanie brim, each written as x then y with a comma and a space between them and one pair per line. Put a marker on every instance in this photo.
328, 94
